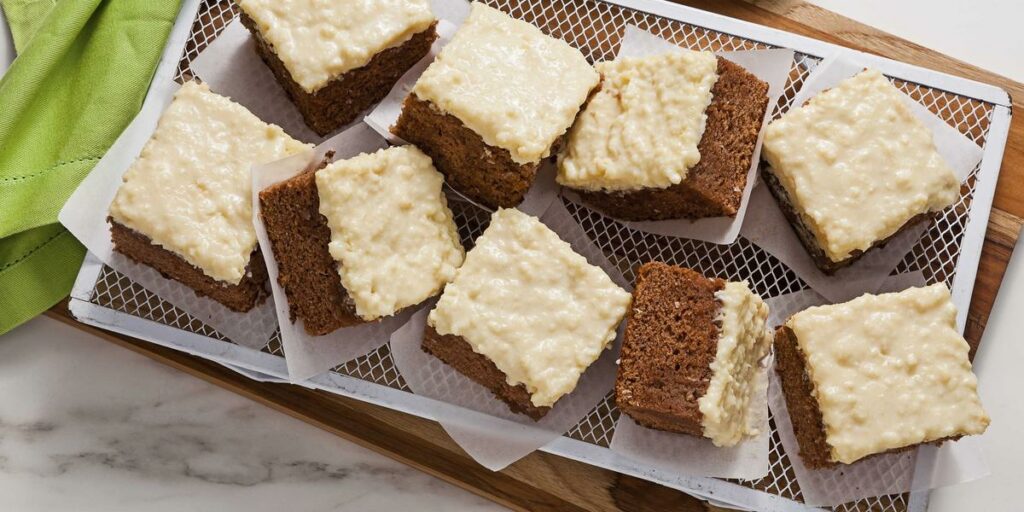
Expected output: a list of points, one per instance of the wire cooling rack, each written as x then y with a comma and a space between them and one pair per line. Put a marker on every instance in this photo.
948, 252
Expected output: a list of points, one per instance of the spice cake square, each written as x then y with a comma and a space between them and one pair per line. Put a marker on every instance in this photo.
185, 204
337, 58
879, 373
853, 167
525, 316
690, 358
667, 136
494, 103
361, 239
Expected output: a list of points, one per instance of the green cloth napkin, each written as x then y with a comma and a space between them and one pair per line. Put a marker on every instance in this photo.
82, 72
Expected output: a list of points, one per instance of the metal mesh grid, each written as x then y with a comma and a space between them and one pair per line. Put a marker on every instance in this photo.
115, 291
598, 427
595, 27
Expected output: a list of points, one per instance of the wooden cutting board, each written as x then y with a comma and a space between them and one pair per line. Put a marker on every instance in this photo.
547, 482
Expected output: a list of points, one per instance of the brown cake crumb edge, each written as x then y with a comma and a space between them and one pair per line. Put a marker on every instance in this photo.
810, 242
714, 186
244, 296
484, 173
798, 390
671, 339
456, 352
299, 238
348, 95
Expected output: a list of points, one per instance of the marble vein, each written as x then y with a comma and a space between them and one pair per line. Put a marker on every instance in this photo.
86, 426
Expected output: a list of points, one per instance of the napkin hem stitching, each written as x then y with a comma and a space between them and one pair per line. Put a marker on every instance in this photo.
31, 251
48, 169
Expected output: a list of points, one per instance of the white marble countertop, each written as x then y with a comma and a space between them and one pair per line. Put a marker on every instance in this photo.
88, 426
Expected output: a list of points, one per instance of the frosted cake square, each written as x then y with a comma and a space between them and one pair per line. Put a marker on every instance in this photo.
525, 315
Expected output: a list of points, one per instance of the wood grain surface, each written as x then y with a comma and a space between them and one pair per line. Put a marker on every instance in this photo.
546, 482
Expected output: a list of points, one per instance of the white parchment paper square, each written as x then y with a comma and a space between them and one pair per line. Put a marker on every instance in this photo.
306, 355
771, 66
85, 216
769, 229
926, 467
503, 437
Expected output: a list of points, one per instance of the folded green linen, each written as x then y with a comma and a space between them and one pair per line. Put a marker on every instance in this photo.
82, 72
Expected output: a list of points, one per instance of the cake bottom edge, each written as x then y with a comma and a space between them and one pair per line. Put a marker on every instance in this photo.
456, 352
242, 297
809, 241
345, 96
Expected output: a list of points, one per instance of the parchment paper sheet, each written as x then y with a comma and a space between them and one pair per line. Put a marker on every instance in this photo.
770, 230
927, 467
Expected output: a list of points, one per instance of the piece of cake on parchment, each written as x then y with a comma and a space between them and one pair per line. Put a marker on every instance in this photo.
879, 373
362, 238
852, 168
337, 58
494, 103
185, 204
692, 352
525, 315
667, 136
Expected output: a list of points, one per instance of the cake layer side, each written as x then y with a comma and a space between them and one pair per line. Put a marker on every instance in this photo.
456, 352
484, 173
714, 186
670, 342
810, 242
342, 99
241, 297
299, 237
318, 40
798, 390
